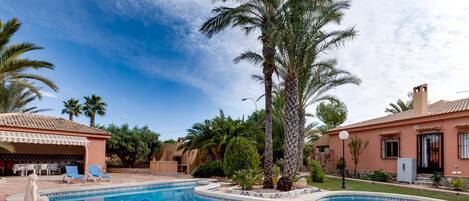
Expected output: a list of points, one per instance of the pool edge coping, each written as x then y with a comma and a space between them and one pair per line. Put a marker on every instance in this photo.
20, 196
207, 191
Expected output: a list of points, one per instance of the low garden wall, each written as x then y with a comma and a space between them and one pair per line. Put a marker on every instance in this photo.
163, 167
129, 170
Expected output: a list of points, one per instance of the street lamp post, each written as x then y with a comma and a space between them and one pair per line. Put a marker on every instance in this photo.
254, 101
343, 135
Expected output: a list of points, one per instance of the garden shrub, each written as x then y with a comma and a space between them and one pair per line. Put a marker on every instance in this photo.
212, 169
246, 178
276, 174
240, 154
317, 174
379, 175
458, 184
436, 178
339, 166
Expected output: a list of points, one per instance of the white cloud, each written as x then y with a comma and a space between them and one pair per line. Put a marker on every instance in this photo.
48, 94
223, 81
401, 44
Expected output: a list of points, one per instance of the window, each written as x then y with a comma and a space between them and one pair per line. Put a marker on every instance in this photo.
390, 148
323, 149
464, 145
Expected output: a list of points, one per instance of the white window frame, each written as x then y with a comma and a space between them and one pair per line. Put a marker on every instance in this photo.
384, 142
463, 145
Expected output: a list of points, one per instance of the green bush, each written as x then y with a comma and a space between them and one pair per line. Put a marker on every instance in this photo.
317, 174
246, 178
458, 184
436, 178
339, 166
240, 154
379, 175
276, 174
212, 169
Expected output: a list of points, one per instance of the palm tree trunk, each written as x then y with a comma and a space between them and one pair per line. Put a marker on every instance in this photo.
291, 131
301, 131
92, 120
70, 117
268, 69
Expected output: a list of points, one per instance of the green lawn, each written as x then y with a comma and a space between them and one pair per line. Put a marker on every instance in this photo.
334, 184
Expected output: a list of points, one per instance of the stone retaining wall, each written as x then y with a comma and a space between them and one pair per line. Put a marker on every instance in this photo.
129, 170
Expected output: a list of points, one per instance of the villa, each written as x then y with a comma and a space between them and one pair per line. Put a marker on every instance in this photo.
49, 140
435, 135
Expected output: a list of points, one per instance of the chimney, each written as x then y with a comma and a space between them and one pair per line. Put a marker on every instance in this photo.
420, 102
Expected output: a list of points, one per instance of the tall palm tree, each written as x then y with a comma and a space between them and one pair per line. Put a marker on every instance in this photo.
302, 40
72, 107
399, 106
14, 68
15, 97
251, 15
94, 105
316, 80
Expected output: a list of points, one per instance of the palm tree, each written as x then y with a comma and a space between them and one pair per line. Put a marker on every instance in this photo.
399, 106
72, 107
13, 68
317, 79
253, 15
94, 105
15, 97
199, 137
302, 40
212, 136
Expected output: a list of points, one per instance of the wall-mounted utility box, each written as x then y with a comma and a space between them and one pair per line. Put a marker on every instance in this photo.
406, 170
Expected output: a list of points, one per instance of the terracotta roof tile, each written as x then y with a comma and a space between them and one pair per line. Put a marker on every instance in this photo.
437, 108
33, 121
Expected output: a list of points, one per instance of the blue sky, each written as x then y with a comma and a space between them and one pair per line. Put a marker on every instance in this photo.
148, 61
98, 51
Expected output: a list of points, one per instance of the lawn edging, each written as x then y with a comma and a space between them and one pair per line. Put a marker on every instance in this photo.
404, 185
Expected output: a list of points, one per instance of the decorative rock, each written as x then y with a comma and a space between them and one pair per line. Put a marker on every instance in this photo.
300, 184
273, 194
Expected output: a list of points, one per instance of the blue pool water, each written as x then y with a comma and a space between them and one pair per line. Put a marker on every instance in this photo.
176, 192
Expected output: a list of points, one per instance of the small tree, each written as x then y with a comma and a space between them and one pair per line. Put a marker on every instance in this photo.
317, 174
131, 144
240, 154
356, 147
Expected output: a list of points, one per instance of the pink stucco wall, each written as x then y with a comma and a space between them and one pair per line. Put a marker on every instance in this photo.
97, 151
371, 160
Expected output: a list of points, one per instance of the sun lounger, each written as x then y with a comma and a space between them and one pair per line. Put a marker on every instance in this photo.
95, 173
71, 173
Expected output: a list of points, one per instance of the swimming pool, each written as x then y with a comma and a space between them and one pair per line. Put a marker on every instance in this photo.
183, 191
